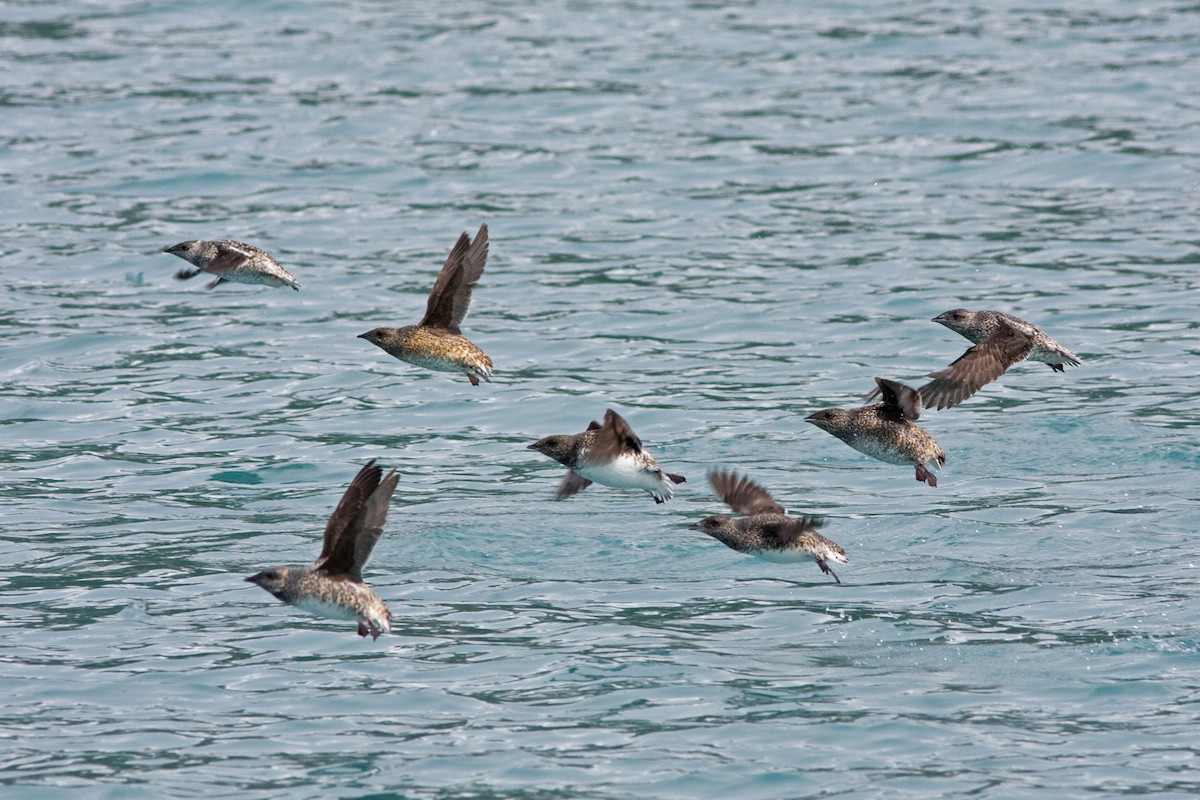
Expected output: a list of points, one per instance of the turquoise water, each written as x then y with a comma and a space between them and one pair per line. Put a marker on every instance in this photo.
714, 218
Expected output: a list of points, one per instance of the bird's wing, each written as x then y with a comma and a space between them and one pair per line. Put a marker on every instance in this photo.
899, 401
574, 483
439, 311
472, 269
979, 366
370, 523
785, 532
743, 495
228, 260
613, 439
451, 294
341, 532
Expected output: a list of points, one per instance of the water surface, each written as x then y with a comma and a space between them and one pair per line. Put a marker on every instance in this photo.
714, 218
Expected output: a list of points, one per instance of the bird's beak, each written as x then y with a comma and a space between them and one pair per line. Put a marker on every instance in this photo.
695, 526
252, 579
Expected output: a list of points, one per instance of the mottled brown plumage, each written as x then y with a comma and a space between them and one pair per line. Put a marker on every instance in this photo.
979, 325
232, 261
332, 586
436, 342
766, 531
979, 366
1001, 340
885, 430
611, 455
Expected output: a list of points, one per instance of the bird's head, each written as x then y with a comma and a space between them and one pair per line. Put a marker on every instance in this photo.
557, 447
185, 250
955, 319
273, 580
829, 419
711, 525
379, 336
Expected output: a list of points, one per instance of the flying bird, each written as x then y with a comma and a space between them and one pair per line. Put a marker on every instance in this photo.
979, 366
236, 262
980, 325
1001, 340
333, 586
766, 530
436, 342
611, 455
885, 430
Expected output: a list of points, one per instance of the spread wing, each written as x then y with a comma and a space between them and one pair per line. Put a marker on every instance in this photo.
451, 294
979, 366
900, 402
743, 495
572, 484
370, 523
341, 532
786, 532
228, 260
613, 439
472, 270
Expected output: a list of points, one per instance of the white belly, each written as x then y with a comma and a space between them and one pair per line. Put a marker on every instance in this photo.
788, 556
627, 473
327, 610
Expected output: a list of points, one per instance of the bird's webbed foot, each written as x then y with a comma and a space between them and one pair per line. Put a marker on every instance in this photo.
826, 569
925, 476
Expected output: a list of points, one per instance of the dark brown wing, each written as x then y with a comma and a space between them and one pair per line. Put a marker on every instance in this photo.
370, 523
572, 484
743, 495
899, 401
472, 269
341, 532
228, 259
451, 294
786, 532
976, 368
613, 438
439, 311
